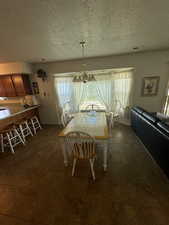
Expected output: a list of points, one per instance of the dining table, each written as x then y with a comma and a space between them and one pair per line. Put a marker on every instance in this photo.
95, 124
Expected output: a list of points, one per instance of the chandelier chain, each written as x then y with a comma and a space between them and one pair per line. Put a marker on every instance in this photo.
84, 77
82, 43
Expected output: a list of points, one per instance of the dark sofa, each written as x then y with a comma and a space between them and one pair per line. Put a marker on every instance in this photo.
154, 134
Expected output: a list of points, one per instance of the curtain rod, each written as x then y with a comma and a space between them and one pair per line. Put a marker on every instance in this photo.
108, 73
62, 76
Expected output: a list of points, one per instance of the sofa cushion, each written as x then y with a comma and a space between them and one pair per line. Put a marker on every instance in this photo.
164, 126
150, 117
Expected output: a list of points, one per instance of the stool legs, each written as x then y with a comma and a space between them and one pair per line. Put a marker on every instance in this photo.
19, 136
35, 124
12, 138
10, 143
17, 133
25, 130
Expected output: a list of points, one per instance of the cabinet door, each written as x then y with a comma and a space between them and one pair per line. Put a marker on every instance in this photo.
19, 85
27, 84
2, 90
8, 86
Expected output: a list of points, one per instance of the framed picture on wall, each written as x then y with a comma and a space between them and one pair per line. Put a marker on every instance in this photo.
150, 86
35, 88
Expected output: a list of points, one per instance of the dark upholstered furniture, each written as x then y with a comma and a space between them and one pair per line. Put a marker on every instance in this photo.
154, 134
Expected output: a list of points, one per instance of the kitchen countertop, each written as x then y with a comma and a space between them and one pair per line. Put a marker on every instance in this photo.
11, 110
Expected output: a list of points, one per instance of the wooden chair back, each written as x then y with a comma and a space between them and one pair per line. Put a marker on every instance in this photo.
82, 145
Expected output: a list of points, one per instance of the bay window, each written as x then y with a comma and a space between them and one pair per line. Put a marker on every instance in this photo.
111, 92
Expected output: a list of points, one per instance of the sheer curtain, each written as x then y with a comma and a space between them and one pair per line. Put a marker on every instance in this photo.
122, 87
64, 88
104, 90
91, 96
165, 109
64, 93
78, 95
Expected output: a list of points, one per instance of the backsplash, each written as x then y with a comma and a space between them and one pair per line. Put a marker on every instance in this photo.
12, 100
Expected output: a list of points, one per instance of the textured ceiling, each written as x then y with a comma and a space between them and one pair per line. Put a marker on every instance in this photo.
51, 29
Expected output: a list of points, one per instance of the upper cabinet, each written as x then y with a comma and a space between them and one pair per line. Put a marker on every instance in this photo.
15, 85
8, 87
2, 87
22, 85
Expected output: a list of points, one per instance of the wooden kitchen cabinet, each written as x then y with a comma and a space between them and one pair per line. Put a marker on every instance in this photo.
18, 84
8, 86
22, 84
2, 90
15, 85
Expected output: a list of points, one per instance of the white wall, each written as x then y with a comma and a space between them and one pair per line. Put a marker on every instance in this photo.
154, 63
15, 67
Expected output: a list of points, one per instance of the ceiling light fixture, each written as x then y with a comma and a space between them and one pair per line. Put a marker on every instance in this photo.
83, 76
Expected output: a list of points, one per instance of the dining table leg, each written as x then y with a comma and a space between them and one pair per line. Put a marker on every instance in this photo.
65, 152
105, 150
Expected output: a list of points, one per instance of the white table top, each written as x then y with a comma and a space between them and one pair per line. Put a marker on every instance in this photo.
96, 125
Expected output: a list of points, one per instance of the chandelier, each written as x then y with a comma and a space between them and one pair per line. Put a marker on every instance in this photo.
83, 76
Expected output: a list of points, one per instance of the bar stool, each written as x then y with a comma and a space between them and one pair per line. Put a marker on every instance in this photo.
35, 124
10, 137
23, 128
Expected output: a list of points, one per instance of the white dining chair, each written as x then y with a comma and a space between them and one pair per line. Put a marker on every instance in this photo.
116, 108
67, 109
82, 146
64, 119
111, 121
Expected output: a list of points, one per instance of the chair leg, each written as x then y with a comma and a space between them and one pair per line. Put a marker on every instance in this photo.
10, 143
92, 169
112, 125
74, 166
2, 143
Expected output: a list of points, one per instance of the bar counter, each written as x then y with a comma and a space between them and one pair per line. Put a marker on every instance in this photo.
11, 114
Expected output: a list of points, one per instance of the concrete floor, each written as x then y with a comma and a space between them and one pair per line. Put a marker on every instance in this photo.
36, 188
